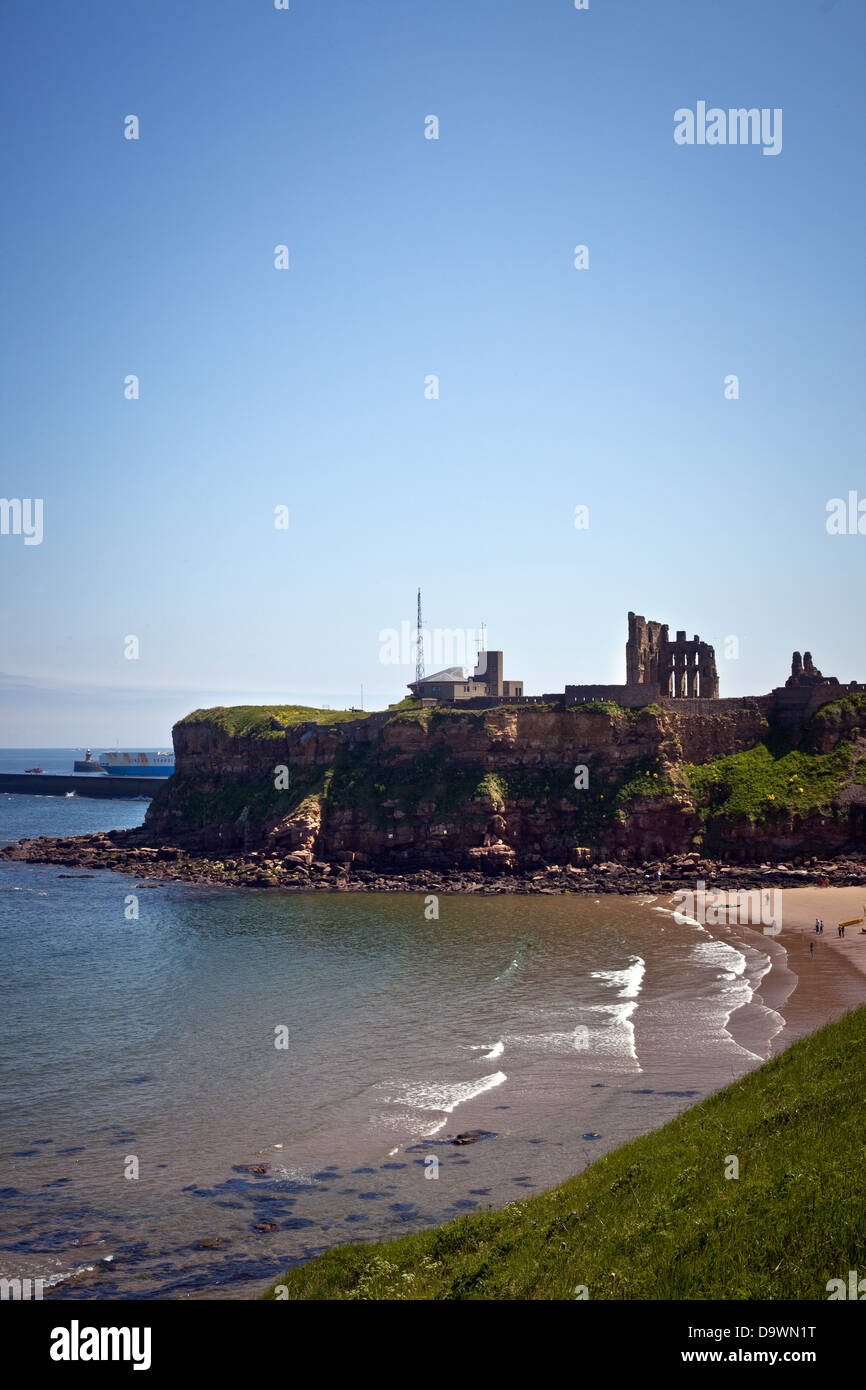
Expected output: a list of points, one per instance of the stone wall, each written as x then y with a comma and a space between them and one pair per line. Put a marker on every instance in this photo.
700, 706
793, 703
628, 696
702, 735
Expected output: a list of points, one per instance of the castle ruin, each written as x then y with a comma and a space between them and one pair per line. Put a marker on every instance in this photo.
680, 669
805, 673
679, 674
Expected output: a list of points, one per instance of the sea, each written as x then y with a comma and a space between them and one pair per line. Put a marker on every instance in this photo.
204, 1086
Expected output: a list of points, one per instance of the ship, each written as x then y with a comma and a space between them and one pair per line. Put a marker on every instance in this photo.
124, 763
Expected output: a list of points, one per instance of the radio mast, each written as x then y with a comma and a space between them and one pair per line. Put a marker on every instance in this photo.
419, 647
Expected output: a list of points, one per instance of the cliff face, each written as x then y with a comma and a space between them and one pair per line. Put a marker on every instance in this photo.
502, 788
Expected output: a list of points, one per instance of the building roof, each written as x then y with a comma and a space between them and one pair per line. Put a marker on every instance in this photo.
451, 673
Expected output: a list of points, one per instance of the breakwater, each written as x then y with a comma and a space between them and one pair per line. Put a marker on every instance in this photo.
88, 784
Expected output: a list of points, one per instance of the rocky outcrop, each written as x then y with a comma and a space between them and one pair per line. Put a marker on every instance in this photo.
487, 795
120, 851
495, 791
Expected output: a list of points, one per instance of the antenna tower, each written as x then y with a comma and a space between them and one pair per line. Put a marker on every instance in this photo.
419, 648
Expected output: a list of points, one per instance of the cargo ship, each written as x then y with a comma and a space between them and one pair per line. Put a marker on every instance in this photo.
128, 764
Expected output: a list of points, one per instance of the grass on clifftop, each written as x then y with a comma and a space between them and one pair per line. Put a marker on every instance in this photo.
259, 721
657, 1218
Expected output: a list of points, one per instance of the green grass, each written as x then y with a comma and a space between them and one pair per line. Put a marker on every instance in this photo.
849, 708
262, 721
645, 777
412, 714
438, 713
492, 788
760, 781
657, 1218
608, 707
409, 702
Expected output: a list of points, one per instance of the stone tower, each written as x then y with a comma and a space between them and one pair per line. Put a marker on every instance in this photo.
682, 669
646, 643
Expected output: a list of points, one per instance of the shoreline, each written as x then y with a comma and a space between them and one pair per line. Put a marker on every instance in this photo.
126, 852
649, 1213
807, 990
804, 1001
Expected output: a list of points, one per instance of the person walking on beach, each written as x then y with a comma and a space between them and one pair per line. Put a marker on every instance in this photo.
811, 948
817, 925
822, 924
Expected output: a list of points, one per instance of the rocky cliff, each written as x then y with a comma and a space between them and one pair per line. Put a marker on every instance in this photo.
512, 787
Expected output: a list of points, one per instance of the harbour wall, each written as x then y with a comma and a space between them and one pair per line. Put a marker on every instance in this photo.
89, 784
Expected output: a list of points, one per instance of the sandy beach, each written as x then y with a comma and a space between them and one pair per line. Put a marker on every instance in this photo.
832, 906
561, 1026
807, 988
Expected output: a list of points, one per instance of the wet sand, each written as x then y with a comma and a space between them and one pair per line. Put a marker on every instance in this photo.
807, 988
798, 994
832, 906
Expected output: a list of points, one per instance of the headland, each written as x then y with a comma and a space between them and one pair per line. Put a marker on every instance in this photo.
656, 782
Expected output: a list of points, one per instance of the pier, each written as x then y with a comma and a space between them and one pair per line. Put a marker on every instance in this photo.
88, 784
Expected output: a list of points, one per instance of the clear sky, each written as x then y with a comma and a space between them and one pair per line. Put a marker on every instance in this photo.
411, 257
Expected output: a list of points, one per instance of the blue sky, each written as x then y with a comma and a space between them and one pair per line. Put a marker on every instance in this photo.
410, 257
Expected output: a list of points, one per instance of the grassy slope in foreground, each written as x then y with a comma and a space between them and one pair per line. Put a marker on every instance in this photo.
657, 1218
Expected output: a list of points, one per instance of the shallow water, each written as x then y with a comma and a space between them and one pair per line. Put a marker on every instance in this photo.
143, 1032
